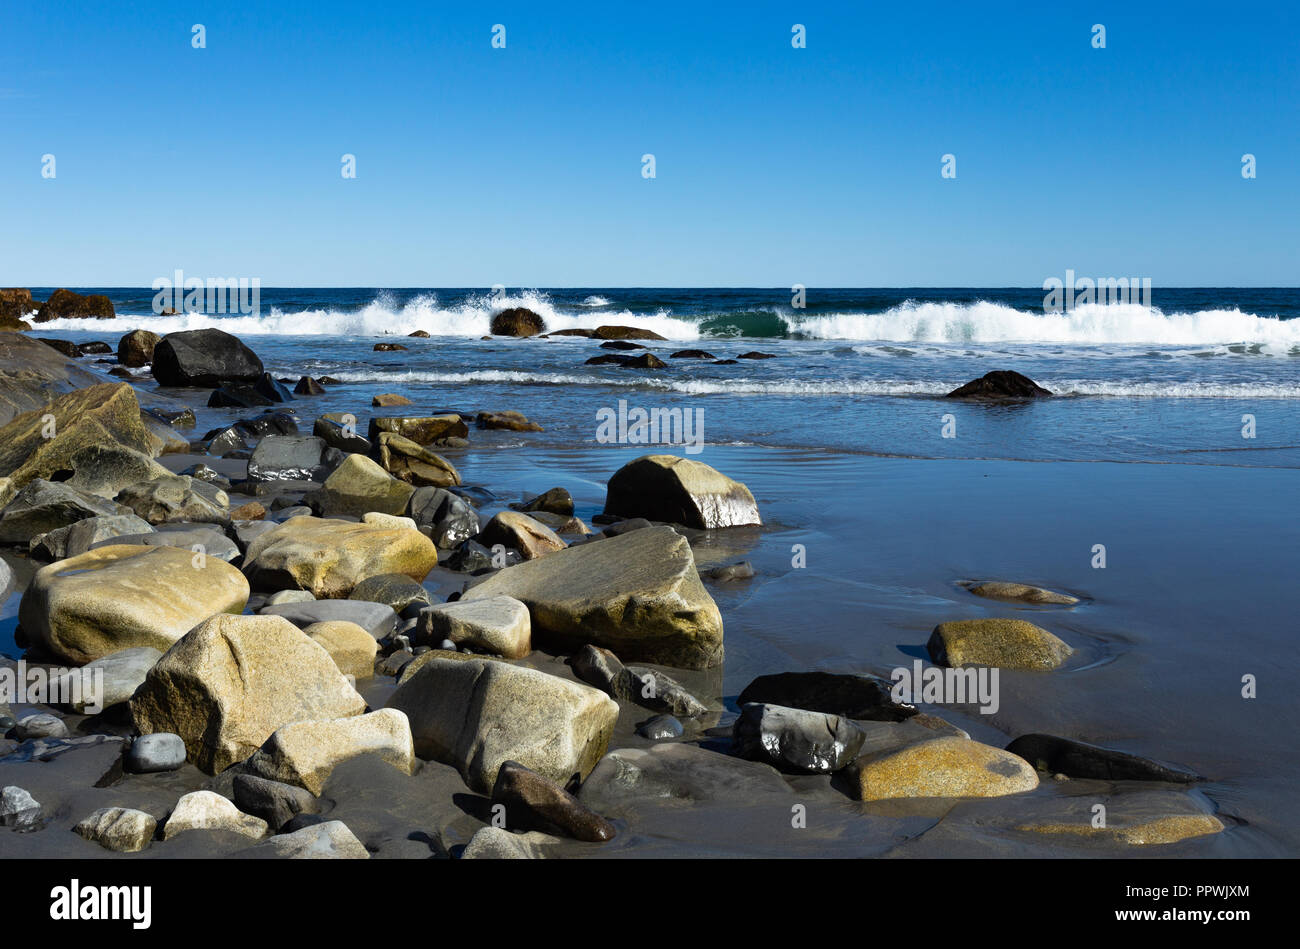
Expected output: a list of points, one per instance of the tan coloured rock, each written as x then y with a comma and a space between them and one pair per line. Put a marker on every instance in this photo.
520, 532
349, 645
1006, 643
305, 753
207, 810
407, 461
942, 767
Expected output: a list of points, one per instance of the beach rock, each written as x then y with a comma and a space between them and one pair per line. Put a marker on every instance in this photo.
388, 400
626, 332
288, 596
120, 597
43, 506
15, 303
497, 843
154, 754
1021, 593
423, 430
560, 523
420, 334
207, 810
18, 809
224, 441
377, 619
65, 304
475, 714
650, 689
509, 420
120, 829
40, 725
638, 594
1079, 759
692, 354
359, 486
329, 558
293, 458
621, 344
389, 348
135, 349
797, 740
472, 557
306, 753
1006, 643
352, 648
163, 438
341, 434
448, 520
998, 385
862, 697
66, 347
534, 802
208, 541
520, 532
660, 728
270, 422
272, 389
516, 321
227, 685
394, 590
308, 386
554, 501
42, 442
120, 675
177, 498
328, 840
104, 470
679, 491
94, 348
754, 354
677, 771
252, 511
275, 802
231, 396
407, 461
942, 767
497, 625
205, 358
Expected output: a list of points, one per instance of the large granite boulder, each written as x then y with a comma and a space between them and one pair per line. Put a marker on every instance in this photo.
135, 349
65, 304
679, 491
330, 557
231, 682
638, 594
306, 753
476, 714
359, 486
125, 596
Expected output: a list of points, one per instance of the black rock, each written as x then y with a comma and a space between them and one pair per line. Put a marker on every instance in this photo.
237, 397
724, 362
96, 348
692, 354
448, 519
68, 349
621, 344
1000, 384
206, 358
852, 696
270, 423
308, 386
756, 355
272, 801
271, 388
1081, 760
554, 501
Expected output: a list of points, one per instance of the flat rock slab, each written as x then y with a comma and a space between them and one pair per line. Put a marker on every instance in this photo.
680, 772
942, 767
377, 619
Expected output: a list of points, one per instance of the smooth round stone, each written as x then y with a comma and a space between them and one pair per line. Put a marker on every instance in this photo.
660, 728
448, 645
41, 726
162, 751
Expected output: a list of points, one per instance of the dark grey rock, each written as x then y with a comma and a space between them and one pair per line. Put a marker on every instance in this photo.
272, 801
852, 696
1079, 759
448, 519
377, 619
660, 728
795, 739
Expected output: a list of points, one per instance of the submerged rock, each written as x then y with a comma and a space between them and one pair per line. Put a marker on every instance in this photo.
1006, 643
997, 385
509, 420
660, 728
554, 501
795, 739
516, 321
475, 714
638, 594
1021, 593
679, 491
942, 767
1081, 760
227, 685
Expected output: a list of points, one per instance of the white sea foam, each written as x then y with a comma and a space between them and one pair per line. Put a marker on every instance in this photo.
983, 322
471, 318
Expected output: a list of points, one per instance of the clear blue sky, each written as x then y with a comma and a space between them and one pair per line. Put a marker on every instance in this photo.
522, 166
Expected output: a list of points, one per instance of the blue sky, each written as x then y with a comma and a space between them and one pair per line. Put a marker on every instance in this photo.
522, 166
